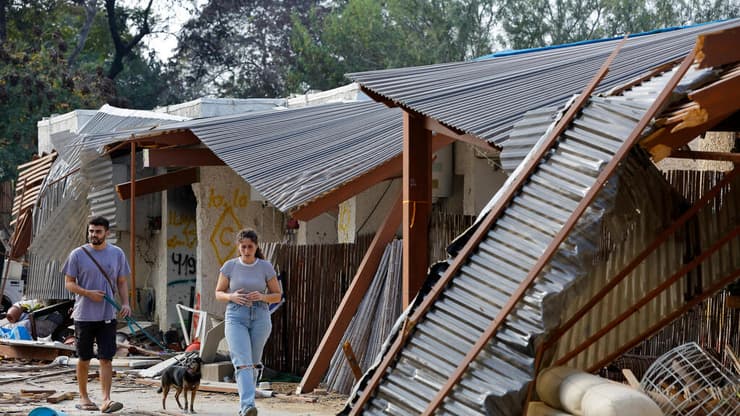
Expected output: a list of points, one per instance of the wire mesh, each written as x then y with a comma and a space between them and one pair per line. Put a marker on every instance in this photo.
688, 381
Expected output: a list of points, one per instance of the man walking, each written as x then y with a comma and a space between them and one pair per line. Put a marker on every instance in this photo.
91, 272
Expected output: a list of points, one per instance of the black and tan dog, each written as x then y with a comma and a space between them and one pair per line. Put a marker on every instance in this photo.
184, 377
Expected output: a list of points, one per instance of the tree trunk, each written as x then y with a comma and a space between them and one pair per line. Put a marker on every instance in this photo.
3, 21
123, 50
91, 9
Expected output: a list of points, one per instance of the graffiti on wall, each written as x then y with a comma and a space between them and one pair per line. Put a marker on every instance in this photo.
184, 233
227, 225
346, 221
182, 240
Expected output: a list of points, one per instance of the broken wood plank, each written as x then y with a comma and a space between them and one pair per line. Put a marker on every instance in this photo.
36, 391
631, 379
61, 396
157, 369
33, 350
352, 360
205, 385
296, 398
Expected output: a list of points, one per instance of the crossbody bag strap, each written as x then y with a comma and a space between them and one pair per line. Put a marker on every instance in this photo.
110, 282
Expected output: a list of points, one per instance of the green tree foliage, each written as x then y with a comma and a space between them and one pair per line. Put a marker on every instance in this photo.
535, 23
37, 79
359, 35
237, 48
34, 78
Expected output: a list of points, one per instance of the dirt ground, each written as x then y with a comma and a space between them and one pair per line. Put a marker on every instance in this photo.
142, 399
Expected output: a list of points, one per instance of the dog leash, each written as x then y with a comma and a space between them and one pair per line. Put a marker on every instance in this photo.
131, 321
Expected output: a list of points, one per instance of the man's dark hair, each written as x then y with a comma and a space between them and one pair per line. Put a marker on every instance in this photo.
100, 221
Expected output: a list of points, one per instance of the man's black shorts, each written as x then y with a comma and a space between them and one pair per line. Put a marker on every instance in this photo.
102, 332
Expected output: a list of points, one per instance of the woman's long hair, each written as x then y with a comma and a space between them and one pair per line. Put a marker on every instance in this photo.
250, 234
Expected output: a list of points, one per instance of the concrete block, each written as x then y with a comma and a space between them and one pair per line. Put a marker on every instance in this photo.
217, 371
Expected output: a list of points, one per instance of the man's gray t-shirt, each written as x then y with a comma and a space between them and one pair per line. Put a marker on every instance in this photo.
249, 277
88, 276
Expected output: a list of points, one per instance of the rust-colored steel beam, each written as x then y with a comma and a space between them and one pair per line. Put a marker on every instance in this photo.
530, 389
180, 157
417, 204
181, 177
657, 242
567, 227
650, 295
479, 233
157, 138
439, 128
668, 319
351, 300
390, 169
132, 227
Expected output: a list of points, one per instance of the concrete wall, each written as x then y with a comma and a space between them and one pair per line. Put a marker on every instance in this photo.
179, 258
349, 92
223, 208
364, 213
71, 121
481, 178
320, 230
712, 142
212, 107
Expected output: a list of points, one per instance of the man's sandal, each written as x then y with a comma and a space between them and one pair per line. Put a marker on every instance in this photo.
111, 407
87, 406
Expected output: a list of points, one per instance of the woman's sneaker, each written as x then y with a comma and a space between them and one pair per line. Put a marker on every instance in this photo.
250, 411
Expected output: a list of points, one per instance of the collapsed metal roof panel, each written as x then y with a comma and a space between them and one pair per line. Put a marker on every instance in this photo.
487, 97
108, 119
524, 135
715, 222
63, 206
497, 378
293, 156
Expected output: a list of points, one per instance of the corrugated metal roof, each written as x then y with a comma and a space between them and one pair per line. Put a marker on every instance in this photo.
293, 156
714, 222
79, 183
107, 120
496, 380
526, 133
487, 97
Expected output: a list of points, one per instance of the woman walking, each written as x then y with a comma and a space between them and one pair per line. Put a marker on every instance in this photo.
249, 284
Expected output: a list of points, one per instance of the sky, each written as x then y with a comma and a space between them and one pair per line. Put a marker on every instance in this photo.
174, 13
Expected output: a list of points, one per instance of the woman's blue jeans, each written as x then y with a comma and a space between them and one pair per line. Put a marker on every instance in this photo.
247, 329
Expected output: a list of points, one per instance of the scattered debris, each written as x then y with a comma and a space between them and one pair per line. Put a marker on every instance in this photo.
687, 381
61, 396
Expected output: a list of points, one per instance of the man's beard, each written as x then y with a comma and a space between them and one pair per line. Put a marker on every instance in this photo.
96, 241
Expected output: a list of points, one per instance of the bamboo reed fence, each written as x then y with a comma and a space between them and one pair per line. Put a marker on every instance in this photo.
315, 278
6, 203
712, 324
